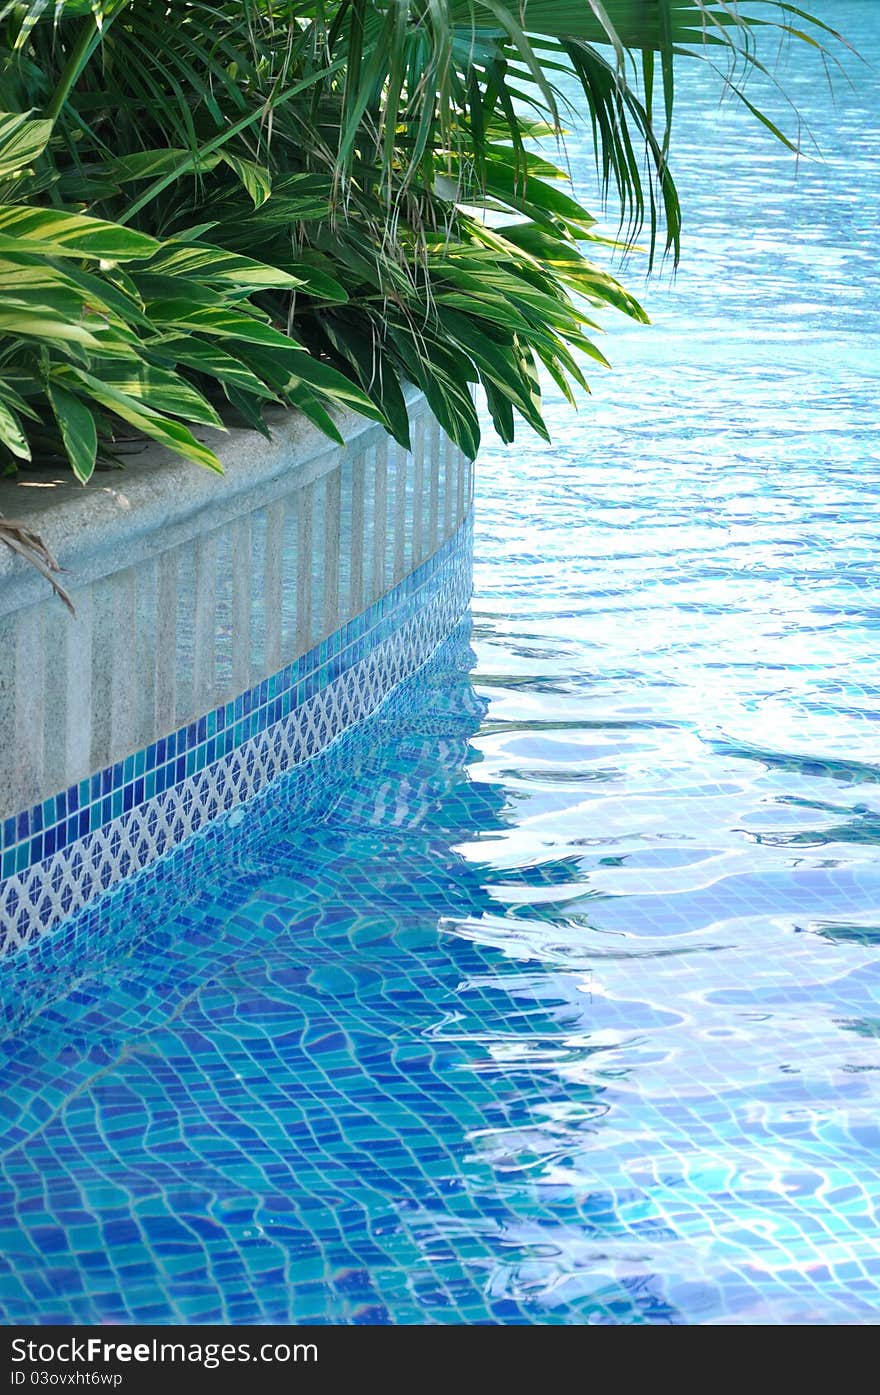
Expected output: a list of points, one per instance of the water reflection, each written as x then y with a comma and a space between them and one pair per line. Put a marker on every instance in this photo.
553, 995
389, 1053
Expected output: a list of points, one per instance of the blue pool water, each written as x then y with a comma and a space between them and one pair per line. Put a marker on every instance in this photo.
553, 994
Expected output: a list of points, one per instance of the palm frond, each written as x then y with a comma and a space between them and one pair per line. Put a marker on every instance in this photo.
27, 544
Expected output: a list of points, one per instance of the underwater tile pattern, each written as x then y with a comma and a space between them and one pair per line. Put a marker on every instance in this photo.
311, 1068
104, 828
551, 992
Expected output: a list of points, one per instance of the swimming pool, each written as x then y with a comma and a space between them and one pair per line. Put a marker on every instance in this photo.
552, 993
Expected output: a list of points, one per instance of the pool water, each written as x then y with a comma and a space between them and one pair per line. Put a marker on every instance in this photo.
552, 995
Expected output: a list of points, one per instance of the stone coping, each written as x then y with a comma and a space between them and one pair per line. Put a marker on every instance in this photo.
159, 500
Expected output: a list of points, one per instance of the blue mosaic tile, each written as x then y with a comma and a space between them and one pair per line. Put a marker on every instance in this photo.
434, 596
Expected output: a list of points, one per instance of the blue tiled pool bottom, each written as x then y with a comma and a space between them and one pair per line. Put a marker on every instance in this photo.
552, 994
329, 1078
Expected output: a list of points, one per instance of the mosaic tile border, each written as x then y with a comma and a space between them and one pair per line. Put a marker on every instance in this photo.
232, 845
123, 818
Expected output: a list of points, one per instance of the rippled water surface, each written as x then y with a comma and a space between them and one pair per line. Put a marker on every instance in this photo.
555, 996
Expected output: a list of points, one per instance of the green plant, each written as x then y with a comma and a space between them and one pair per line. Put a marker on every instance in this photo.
208, 207
102, 322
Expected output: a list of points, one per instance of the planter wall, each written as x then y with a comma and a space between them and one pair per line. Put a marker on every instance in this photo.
226, 629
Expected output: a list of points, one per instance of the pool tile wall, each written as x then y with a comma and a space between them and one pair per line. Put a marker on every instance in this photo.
194, 676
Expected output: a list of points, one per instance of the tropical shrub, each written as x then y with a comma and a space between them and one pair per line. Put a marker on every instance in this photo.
208, 207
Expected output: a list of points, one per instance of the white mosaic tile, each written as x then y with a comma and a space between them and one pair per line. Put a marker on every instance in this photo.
38, 899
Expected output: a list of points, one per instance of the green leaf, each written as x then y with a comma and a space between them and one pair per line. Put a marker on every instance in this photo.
299, 396
245, 405
220, 323
203, 263
315, 281
255, 178
11, 433
764, 120
326, 379
43, 322
78, 429
156, 288
172, 434
51, 232
375, 370
147, 164
497, 363
501, 411
22, 140
159, 388
213, 362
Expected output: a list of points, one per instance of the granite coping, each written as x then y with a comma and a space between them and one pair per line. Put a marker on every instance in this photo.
160, 500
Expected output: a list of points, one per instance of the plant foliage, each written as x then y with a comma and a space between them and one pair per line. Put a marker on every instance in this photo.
206, 208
